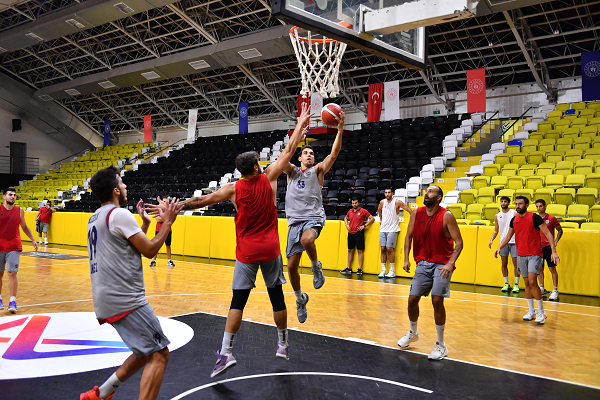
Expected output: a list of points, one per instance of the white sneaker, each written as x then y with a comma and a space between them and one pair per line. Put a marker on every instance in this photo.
408, 339
529, 315
391, 274
381, 274
554, 295
46, 242
439, 351
541, 317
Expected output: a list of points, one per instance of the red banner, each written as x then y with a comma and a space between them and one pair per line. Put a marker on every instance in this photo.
147, 128
375, 102
303, 99
476, 90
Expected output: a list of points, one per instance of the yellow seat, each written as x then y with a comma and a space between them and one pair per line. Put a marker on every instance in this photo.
578, 213
529, 148
592, 226
511, 170
564, 144
556, 113
561, 107
546, 194
532, 208
578, 106
594, 121
519, 158
480, 182
483, 222
498, 181
579, 121
558, 210
530, 141
547, 145
467, 196
486, 195
536, 136
575, 181
491, 170
545, 126
584, 167
534, 182
505, 192
537, 157
525, 193
571, 132
595, 213
569, 225
564, 168
545, 169
588, 196
555, 181
592, 181
555, 156
463, 221
474, 212
573, 155
457, 209
502, 159
553, 134
564, 196
592, 154
512, 149
594, 105
525, 172
589, 131
490, 211
583, 143
596, 142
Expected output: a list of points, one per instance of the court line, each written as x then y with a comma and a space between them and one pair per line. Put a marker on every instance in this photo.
54, 265
404, 350
239, 378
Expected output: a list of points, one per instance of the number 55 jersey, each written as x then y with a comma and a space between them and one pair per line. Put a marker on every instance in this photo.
304, 200
115, 264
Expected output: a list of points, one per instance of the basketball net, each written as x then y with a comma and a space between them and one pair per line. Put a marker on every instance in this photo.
319, 61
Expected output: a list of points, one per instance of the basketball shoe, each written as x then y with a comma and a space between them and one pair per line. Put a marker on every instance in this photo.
93, 394
224, 361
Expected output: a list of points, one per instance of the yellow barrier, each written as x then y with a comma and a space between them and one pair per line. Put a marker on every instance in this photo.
214, 237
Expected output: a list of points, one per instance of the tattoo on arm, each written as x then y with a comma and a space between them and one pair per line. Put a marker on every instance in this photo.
191, 204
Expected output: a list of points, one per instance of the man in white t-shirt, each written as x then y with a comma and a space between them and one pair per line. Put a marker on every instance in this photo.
388, 212
115, 245
502, 224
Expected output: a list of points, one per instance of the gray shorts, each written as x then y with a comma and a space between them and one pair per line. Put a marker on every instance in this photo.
388, 239
244, 275
295, 232
141, 332
43, 227
427, 279
528, 264
12, 259
509, 249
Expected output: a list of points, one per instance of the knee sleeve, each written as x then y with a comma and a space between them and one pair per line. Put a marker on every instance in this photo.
239, 299
277, 299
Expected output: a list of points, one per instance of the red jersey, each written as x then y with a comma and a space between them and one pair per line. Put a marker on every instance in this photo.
357, 218
160, 224
527, 234
256, 221
429, 238
45, 215
10, 237
551, 223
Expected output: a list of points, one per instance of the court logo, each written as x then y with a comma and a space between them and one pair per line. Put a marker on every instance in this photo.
476, 86
592, 69
391, 94
243, 112
33, 346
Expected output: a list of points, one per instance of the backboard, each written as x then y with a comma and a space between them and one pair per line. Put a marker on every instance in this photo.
408, 48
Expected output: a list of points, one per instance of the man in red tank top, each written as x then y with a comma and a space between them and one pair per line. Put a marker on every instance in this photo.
437, 244
526, 227
257, 240
11, 217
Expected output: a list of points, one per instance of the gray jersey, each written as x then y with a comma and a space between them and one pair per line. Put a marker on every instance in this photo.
304, 200
115, 268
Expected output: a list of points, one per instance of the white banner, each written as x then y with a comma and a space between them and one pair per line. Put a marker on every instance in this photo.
316, 103
391, 100
192, 125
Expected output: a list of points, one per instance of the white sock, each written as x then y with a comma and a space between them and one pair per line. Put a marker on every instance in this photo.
392, 266
109, 386
540, 304
506, 280
227, 346
542, 288
440, 333
556, 288
282, 336
517, 281
13, 298
298, 294
413, 327
314, 263
383, 267
530, 304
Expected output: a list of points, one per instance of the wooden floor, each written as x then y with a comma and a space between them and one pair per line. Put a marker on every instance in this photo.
482, 329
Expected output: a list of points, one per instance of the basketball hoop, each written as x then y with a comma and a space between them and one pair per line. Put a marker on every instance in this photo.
319, 61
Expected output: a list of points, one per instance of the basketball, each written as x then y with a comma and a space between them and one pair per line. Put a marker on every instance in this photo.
328, 114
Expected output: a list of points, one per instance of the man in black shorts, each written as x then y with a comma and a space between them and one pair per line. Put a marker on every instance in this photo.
552, 223
355, 223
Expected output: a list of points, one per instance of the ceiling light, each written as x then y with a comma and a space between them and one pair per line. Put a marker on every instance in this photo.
199, 64
35, 37
45, 97
150, 75
556, 31
73, 92
490, 44
250, 53
3, 50
74, 23
107, 84
124, 8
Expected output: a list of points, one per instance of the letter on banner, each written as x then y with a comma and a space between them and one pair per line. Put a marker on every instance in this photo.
192, 125
147, 128
392, 100
107, 133
243, 113
375, 102
476, 98
590, 76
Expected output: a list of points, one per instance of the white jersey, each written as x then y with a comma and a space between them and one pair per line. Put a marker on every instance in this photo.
504, 219
389, 218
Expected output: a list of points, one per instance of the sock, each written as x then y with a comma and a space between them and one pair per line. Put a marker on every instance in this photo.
298, 294
540, 304
282, 336
314, 263
109, 386
530, 304
413, 327
13, 298
517, 281
556, 288
506, 280
440, 333
227, 346
392, 266
383, 267
542, 288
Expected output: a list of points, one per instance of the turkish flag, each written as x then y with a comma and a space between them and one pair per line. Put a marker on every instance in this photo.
476, 98
301, 100
375, 102
147, 129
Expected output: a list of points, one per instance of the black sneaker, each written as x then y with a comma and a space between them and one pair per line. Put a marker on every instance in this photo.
152, 263
359, 272
346, 271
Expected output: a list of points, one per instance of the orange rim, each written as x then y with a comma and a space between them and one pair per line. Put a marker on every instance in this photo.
305, 39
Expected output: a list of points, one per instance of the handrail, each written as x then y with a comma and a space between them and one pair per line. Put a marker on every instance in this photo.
72, 155
28, 165
482, 125
519, 118
161, 148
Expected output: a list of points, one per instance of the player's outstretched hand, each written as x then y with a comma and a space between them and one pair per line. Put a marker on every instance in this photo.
35, 246
304, 132
341, 120
305, 114
406, 266
142, 212
153, 209
169, 214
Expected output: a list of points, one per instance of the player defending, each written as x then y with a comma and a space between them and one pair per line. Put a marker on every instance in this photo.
389, 211
438, 243
501, 226
305, 214
526, 227
115, 242
11, 217
257, 241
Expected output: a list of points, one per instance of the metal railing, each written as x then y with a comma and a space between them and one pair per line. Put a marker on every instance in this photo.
19, 165
54, 164
485, 121
520, 118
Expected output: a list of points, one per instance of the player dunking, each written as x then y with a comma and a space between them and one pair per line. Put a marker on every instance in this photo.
115, 243
437, 245
257, 241
305, 214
